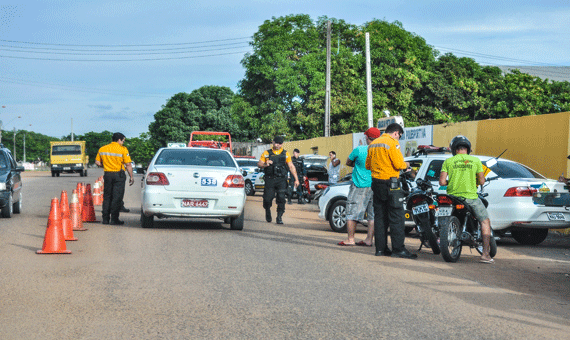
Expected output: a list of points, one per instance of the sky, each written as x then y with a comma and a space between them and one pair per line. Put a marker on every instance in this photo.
80, 66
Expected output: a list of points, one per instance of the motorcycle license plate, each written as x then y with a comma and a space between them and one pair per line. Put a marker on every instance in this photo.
420, 209
444, 211
190, 203
555, 216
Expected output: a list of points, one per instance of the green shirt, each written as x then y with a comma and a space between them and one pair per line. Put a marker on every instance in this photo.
462, 172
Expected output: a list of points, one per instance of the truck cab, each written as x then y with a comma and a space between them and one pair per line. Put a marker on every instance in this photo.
68, 157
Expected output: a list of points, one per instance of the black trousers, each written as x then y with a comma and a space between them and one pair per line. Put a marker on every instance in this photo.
388, 212
113, 192
275, 187
291, 188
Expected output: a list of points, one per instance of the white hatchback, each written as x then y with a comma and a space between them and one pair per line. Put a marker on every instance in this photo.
193, 182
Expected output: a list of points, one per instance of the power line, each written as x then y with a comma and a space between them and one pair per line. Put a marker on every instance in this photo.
140, 45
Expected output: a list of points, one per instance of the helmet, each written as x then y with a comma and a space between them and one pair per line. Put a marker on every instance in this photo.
458, 141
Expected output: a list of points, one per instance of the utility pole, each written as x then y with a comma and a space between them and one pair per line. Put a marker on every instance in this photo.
369, 83
14, 143
328, 81
72, 129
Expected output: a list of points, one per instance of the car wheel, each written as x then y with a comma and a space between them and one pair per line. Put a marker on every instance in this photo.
249, 190
57, 174
529, 236
17, 208
8, 210
236, 223
81, 173
147, 221
337, 216
52, 174
85, 173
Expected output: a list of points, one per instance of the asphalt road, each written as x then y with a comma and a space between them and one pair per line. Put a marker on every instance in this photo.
201, 280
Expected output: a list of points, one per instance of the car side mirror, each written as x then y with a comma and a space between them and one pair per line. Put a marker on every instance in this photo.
20, 169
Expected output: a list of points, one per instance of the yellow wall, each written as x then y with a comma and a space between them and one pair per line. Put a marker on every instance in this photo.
342, 145
443, 133
539, 142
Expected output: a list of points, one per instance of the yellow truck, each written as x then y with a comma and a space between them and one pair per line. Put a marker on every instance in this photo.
68, 157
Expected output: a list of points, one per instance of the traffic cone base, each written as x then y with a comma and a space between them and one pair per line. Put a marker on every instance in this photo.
54, 241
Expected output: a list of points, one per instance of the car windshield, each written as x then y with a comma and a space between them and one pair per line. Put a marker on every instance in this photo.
246, 162
195, 157
3, 161
513, 170
66, 150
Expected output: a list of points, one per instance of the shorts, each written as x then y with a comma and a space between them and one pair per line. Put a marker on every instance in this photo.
479, 209
359, 204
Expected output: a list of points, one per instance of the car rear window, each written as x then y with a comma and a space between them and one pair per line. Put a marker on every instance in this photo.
195, 157
513, 170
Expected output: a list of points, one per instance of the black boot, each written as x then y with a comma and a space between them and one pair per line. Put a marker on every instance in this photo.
289, 201
278, 219
268, 215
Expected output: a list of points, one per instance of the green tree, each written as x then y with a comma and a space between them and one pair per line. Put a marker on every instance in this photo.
205, 109
142, 148
94, 141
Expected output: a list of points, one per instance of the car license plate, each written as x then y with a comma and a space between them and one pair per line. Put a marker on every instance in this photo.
444, 211
209, 182
555, 216
66, 168
194, 203
420, 209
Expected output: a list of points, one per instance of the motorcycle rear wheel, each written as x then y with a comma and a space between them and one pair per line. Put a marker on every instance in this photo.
450, 245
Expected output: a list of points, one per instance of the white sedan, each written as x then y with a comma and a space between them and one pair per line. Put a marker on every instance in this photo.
193, 182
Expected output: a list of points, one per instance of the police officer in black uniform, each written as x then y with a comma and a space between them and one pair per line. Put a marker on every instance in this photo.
274, 163
299, 165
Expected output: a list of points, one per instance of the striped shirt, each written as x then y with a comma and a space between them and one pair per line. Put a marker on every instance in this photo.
385, 159
113, 156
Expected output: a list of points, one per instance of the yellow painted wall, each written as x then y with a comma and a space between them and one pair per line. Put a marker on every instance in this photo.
539, 142
342, 145
443, 133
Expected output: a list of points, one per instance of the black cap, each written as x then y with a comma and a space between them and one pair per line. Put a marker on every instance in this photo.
278, 139
297, 150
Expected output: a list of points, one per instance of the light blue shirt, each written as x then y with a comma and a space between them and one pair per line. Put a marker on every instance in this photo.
361, 176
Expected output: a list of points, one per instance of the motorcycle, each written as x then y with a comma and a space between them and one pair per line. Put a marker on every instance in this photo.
420, 202
458, 226
306, 191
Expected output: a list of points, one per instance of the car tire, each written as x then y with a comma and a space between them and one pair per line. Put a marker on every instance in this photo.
249, 189
8, 210
52, 174
57, 174
85, 173
147, 221
81, 173
17, 207
529, 236
337, 216
236, 223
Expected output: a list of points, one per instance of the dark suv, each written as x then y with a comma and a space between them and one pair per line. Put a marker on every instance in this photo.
10, 184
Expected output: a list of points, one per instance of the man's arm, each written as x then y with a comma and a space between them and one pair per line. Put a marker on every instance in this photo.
129, 168
480, 178
293, 172
336, 162
443, 178
350, 162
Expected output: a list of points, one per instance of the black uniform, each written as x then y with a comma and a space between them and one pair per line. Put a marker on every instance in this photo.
276, 181
300, 168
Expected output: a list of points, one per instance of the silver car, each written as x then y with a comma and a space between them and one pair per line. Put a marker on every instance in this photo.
193, 182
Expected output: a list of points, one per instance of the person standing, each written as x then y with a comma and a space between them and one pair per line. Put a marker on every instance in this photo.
300, 168
334, 168
461, 173
113, 157
359, 204
385, 160
274, 163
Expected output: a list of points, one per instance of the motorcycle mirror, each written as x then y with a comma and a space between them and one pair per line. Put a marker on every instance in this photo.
491, 162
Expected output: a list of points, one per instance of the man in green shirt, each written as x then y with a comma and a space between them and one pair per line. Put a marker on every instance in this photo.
462, 173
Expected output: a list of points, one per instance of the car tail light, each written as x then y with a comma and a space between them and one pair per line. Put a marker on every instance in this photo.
520, 192
234, 181
321, 186
156, 178
444, 200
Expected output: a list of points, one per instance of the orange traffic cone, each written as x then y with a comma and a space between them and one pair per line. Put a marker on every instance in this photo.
80, 198
88, 212
76, 222
54, 241
66, 218
97, 197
